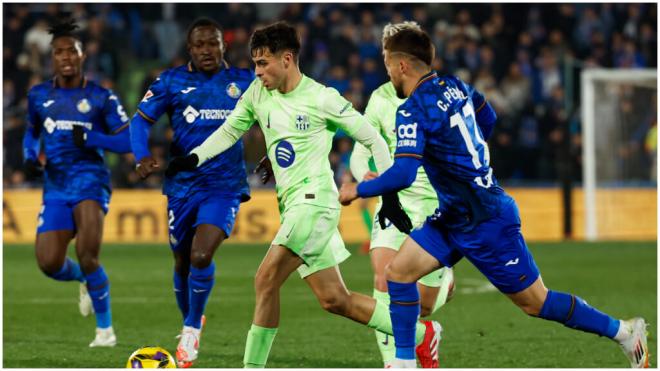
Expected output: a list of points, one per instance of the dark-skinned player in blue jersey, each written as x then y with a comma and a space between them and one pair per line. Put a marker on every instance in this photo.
436, 128
202, 204
77, 120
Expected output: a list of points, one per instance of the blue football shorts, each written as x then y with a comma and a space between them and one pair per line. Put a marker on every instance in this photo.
184, 214
58, 214
495, 247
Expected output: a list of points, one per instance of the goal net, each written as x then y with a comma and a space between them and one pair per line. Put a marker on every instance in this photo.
619, 154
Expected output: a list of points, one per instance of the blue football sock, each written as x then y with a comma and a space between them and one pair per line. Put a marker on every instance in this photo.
98, 286
70, 271
404, 310
200, 284
574, 312
181, 293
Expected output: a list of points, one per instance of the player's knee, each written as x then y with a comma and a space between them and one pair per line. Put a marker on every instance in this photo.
201, 259
335, 304
89, 262
263, 283
49, 266
393, 274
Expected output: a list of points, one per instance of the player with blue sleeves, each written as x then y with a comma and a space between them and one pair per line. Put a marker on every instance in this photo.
77, 120
436, 128
202, 204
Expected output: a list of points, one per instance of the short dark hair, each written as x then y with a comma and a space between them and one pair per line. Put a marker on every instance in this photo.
415, 43
64, 28
276, 38
203, 22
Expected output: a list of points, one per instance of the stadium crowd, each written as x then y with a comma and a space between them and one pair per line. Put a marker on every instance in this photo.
525, 58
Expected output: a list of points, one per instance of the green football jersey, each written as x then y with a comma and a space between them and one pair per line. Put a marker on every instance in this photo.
298, 127
381, 113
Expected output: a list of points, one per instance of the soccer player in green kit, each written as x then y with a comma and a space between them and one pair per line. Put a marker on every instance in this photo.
419, 201
299, 117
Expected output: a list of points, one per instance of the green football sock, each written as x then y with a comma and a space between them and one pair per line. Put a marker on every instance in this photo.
257, 346
381, 321
385, 341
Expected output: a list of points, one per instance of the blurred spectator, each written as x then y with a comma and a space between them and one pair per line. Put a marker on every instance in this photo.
516, 54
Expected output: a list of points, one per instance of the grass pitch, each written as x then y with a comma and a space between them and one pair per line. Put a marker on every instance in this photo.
42, 326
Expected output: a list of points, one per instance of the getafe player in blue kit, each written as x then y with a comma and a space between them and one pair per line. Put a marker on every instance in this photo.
436, 129
77, 119
202, 204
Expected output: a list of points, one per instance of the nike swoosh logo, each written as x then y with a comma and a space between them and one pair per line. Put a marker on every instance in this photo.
268, 126
197, 291
48, 103
387, 340
512, 262
188, 90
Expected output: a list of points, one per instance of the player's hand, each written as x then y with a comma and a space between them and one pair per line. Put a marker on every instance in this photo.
185, 163
369, 176
79, 136
265, 168
32, 169
348, 193
392, 211
146, 166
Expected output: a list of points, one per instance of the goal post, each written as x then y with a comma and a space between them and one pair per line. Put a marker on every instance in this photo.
616, 104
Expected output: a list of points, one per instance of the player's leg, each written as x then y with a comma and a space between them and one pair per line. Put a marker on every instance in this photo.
56, 229
181, 213
410, 264
89, 216
276, 267
380, 258
505, 259
435, 290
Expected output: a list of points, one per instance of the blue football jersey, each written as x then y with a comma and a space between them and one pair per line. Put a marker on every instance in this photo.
437, 124
197, 104
72, 172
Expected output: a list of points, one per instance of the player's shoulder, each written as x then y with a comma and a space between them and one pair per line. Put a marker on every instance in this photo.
239, 74
41, 89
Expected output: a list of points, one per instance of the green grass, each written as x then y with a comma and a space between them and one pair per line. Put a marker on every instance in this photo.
42, 326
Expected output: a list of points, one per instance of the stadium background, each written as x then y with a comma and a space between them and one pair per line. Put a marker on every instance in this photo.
526, 59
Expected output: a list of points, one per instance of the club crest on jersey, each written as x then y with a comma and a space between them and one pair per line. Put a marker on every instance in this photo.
190, 114
284, 154
233, 90
83, 106
302, 122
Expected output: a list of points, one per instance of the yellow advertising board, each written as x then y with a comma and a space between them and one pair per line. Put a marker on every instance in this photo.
141, 216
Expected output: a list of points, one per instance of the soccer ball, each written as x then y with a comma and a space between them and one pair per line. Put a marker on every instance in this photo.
151, 357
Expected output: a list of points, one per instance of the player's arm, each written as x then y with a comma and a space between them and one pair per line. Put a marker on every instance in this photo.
485, 114
237, 124
31, 166
153, 105
117, 122
359, 162
341, 113
407, 160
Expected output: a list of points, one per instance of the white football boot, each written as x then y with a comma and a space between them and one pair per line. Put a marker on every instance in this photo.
635, 346
85, 301
186, 351
105, 337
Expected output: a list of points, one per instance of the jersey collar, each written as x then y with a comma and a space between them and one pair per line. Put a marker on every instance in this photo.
429, 76
191, 66
83, 82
